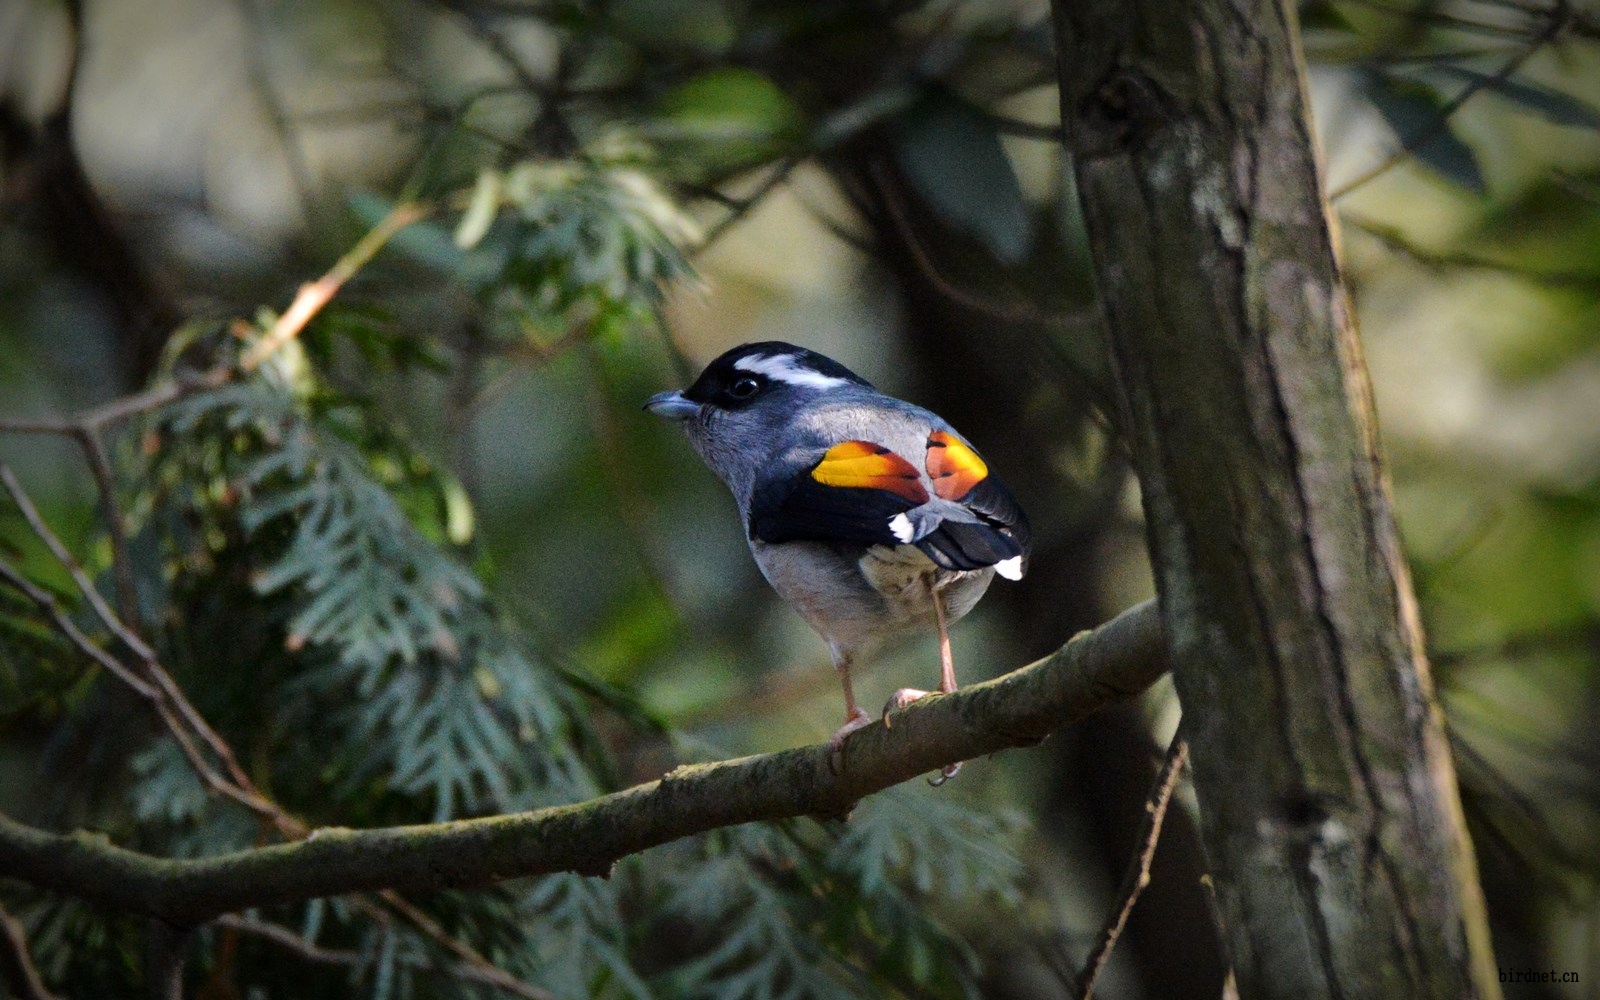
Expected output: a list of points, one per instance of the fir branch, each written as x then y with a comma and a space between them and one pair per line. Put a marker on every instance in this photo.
1114, 662
186, 725
177, 713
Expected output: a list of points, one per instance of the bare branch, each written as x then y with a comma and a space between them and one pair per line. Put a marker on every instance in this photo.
741, 207
94, 451
1559, 17
75, 569
256, 54
314, 296
47, 603
1138, 874
473, 964
17, 970
1112, 663
1394, 239
167, 950
291, 942
120, 409
1008, 312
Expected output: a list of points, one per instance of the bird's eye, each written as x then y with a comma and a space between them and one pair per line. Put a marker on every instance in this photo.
745, 388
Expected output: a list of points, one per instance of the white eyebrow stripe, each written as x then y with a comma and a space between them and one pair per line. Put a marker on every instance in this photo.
782, 368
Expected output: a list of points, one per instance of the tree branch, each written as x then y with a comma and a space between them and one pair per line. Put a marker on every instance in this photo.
1137, 876
310, 951
1114, 662
17, 970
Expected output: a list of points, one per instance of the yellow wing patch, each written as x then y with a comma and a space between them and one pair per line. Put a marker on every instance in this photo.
862, 464
954, 467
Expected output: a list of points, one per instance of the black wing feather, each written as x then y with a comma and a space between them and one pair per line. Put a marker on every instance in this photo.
1004, 533
797, 508
968, 546
994, 503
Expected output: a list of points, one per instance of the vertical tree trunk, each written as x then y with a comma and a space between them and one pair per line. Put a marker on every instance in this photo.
1328, 802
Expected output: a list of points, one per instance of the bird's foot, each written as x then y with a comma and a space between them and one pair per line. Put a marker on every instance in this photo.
858, 719
945, 774
900, 699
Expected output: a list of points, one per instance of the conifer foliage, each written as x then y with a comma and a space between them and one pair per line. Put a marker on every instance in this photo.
308, 576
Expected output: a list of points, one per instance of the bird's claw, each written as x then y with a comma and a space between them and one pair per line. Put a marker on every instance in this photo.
900, 699
945, 774
857, 719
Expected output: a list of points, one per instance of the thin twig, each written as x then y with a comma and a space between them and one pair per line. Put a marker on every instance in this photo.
1024, 129
167, 949
1425, 14
69, 83
500, 49
741, 207
1559, 17
17, 970
47, 603
1012, 312
64, 556
288, 940
257, 52
1138, 874
482, 969
314, 296
629, 505
94, 450
1394, 239
526, 356
119, 409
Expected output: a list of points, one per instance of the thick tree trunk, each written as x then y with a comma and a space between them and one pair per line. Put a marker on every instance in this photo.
1328, 802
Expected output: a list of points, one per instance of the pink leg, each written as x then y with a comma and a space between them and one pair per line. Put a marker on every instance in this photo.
947, 675
854, 717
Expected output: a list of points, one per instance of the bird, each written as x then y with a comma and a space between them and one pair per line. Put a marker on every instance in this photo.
872, 517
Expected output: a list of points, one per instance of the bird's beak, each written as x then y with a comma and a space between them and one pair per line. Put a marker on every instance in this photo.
672, 405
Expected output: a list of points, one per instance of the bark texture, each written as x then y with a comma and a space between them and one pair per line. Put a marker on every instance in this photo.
1328, 802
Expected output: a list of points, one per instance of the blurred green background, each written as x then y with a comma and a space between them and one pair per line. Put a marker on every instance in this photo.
876, 181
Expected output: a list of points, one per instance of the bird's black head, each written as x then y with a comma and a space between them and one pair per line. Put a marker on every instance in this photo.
751, 371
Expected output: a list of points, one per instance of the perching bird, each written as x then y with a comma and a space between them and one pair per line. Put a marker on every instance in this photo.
869, 515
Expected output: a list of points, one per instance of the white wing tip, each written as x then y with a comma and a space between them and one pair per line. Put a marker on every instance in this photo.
900, 527
1011, 568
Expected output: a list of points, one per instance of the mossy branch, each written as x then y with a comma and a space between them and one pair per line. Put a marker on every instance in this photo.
1112, 663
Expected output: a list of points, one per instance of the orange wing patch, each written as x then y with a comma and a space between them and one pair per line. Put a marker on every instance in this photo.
862, 464
954, 467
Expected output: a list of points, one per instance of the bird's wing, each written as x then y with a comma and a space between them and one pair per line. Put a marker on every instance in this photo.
862, 492
997, 536
851, 493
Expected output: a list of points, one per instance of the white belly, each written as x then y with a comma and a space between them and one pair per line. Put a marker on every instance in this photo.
854, 600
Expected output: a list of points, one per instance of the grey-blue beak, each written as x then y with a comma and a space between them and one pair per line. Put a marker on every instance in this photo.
672, 405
